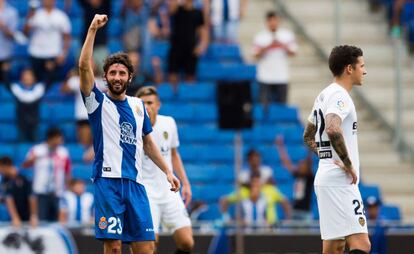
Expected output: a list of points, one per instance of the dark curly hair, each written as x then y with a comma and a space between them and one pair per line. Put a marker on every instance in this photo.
342, 56
119, 58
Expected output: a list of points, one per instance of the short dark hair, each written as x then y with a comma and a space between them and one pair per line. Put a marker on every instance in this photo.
341, 57
271, 14
146, 90
6, 161
53, 132
252, 152
118, 58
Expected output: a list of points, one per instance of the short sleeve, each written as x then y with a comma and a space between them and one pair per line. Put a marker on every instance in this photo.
311, 118
63, 203
291, 42
338, 104
94, 100
146, 126
175, 142
65, 25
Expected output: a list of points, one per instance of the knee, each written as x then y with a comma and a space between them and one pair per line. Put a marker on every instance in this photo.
186, 245
114, 246
147, 249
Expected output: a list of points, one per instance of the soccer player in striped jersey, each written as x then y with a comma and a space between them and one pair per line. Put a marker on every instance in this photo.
166, 207
120, 128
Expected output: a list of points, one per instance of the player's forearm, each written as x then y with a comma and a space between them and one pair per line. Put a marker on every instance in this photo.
179, 167
87, 50
309, 137
334, 132
11, 207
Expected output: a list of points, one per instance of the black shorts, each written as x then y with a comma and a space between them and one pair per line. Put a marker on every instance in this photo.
182, 59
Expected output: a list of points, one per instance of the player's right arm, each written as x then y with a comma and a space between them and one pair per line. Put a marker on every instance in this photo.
85, 60
309, 137
335, 134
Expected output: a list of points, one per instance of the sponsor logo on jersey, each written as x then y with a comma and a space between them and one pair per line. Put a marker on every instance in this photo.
106, 169
102, 223
127, 133
149, 230
361, 221
340, 105
165, 135
325, 154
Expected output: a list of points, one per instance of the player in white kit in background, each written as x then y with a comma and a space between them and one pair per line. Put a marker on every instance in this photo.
331, 132
167, 208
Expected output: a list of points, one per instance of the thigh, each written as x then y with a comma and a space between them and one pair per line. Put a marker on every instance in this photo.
109, 209
42, 204
340, 211
138, 224
279, 93
174, 60
190, 61
173, 214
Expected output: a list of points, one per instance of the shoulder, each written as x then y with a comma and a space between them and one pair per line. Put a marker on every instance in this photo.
61, 150
166, 119
285, 32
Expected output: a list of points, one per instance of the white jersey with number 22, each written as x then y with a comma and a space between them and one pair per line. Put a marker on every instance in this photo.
334, 99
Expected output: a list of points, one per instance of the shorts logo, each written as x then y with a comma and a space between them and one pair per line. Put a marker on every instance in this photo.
106, 169
361, 221
102, 223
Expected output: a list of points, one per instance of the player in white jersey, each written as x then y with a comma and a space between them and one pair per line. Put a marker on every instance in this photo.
167, 208
331, 132
120, 128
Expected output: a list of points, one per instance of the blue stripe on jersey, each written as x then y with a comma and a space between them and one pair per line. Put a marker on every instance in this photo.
128, 139
146, 127
95, 120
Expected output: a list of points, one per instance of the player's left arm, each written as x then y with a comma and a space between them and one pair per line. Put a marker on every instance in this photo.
309, 137
179, 169
154, 154
335, 134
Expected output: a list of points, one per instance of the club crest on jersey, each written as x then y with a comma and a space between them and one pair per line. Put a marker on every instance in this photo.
138, 111
165, 135
340, 105
102, 223
361, 221
127, 133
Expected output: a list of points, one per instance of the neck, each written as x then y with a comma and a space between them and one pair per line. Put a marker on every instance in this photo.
117, 97
345, 82
153, 120
188, 4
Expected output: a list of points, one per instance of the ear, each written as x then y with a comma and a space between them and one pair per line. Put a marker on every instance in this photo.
349, 69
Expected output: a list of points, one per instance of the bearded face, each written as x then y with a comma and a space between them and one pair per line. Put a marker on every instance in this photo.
118, 79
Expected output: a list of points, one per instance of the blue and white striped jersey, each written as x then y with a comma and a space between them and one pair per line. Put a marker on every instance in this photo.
117, 128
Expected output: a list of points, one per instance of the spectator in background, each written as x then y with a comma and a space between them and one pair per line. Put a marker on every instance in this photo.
19, 200
142, 78
135, 17
376, 225
188, 40
303, 185
71, 85
52, 166
397, 8
76, 205
90, 8
49, 41
28, 94
225, 19
258, 202
272, 47
256, 169
8, 25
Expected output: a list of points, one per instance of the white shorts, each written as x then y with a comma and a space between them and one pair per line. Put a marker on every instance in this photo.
341, 211
171, 214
